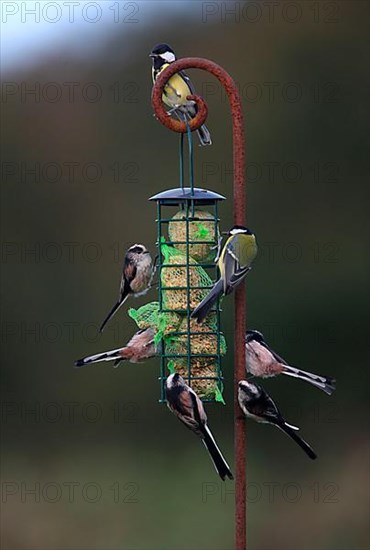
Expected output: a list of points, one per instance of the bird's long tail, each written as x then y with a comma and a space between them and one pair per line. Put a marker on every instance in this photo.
218, 460
113, 311
201, 311
116, 354
291, 431
324, 383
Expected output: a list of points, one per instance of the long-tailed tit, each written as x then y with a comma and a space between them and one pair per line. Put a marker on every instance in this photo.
136, 277
140, 347
262, 361
258, 405
186, 405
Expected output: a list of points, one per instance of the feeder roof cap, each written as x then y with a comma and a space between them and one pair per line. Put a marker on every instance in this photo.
174, 196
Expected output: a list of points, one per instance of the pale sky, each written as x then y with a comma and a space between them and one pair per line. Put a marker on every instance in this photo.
32, 29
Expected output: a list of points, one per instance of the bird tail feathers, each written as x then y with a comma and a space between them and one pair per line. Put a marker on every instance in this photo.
286, 428
113, 311
201, 311
324, 383
105, 356
218, 460
204, 135
203, 132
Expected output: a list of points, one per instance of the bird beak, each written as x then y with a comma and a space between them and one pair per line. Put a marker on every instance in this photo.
224, 232
152, 55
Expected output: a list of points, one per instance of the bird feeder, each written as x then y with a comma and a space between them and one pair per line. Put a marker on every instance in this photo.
188, 207
187, 239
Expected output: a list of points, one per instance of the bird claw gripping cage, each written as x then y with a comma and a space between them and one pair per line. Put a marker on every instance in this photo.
187, 241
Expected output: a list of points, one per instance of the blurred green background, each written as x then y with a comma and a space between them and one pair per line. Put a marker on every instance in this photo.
109, 467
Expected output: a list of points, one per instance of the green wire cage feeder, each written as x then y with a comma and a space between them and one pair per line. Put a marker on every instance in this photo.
187, 239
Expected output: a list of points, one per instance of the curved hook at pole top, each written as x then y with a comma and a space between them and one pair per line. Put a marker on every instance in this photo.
236, 111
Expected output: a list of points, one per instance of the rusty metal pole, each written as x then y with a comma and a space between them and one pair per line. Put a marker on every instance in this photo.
239, 219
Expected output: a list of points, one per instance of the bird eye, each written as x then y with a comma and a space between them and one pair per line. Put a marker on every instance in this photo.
137, 249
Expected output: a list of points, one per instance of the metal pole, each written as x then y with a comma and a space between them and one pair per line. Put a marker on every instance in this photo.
239, 219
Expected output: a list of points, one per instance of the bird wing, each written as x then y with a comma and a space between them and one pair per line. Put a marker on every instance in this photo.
185, 410
188, 81
265, 407
274, 354
199, 412
188, 411
234, 272
142, 338
261, 353
128, 274
190, 86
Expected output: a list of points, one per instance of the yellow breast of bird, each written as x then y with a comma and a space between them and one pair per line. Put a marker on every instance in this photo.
250, 250
175, 91
242, 247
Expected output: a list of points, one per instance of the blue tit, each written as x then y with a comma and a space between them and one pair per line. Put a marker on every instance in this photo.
177, 89
234, 263
186, 405
137, 275
258, 405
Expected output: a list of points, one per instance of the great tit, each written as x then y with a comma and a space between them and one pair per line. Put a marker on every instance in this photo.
262, 361
137, 274
186, 405
140, 347
258, 405
234, 263
177, 89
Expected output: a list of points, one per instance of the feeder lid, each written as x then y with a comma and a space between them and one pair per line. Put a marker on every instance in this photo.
175, 196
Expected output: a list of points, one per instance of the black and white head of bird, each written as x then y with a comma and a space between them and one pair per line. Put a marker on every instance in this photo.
240, 230
137, 249
249, 391
254, 335
162, 53
174, 380
138, 256
138, 252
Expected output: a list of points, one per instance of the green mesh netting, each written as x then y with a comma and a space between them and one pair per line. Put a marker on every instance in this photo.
150, 316
175, 277
201, 228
